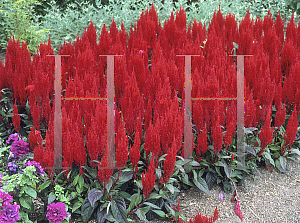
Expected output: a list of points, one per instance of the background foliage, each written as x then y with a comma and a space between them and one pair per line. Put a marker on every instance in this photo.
66, 19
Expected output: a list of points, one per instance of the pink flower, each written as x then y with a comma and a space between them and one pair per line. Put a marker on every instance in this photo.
56, 212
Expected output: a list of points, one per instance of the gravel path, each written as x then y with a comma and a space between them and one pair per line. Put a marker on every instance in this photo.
271, 198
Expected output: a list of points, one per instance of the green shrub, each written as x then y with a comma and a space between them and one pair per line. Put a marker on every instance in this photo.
66, 22
293, 5
16, 18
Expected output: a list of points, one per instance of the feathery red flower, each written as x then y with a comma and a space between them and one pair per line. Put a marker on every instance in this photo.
134, 152
16, 118
266, 134
202, 142
148, 178
204, 219
291, 130
169, 162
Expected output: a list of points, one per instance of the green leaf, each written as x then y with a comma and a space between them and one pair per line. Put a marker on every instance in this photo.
26, 203
44, 185
109, 185
185, 179
139, 184
51, 197
90, 171
94, 195
86, 210
133, 201
118, 211
281, 164
76, 180
145, 209
76, 206
152, 205
211, 179
125, 177
154, 196
296, 151
201, 184
124, 194
158, 173
171, 210
141, 215
160, 213
101, 215
227, 173
235, 45
268, 157
219, 163
193, 163
31, 192
162, 157
170, 188
80, 182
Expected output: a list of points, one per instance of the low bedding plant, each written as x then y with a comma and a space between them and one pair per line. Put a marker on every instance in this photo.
139, 189
84, 196
127, 192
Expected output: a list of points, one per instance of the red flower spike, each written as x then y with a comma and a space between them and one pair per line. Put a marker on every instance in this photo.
16, 118
121, 143
152, 141
291, 130
134, 152
266, 134
229, 133
104, 174
202, 219
202, 142
148, 179
232, 158
217, 136
280, 116
169, 162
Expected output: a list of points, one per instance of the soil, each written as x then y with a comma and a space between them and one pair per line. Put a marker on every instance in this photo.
273, 197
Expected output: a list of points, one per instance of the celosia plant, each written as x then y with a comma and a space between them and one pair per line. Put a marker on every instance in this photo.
204, 219
148, 179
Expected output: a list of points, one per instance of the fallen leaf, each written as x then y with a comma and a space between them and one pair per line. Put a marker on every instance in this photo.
221, 196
